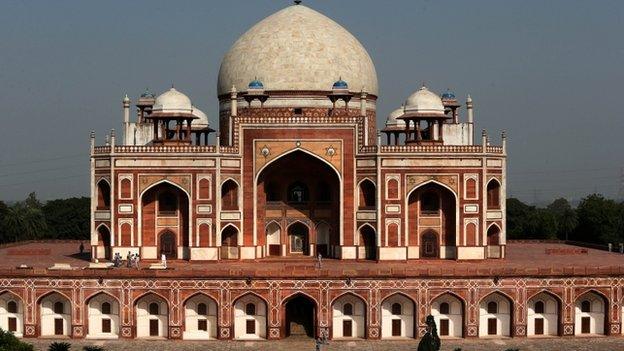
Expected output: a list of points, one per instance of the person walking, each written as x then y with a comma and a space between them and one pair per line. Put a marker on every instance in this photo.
163, 259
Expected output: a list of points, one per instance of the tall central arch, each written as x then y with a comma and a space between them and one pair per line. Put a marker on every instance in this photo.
299, 187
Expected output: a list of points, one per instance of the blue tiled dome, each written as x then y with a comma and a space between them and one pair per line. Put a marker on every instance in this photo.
147, 94
340, 84
256, 84
448, 95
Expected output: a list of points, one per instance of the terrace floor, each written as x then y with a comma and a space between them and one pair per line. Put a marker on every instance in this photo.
523, 259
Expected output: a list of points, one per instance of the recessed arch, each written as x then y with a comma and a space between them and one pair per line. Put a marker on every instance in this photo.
349, 316
495, 314
201, 313
296, 293
448, 310
52, 321
544, 313
12, 313
353, 293
285, 170
398, 316
98, 293
297, 221
249, 323
591, 312
259, 171
151, 292
184, 216
449, 209
368, 242
499, 292
367, 194
165, 181
151, 322
299, 311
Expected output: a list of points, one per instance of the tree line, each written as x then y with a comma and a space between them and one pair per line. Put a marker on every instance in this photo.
596, 219
31, 219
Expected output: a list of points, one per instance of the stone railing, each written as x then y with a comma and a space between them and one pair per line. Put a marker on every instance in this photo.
188, 149
457, 149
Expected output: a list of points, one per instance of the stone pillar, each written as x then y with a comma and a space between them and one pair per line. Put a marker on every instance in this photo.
567, 312
469, 109
519, 322
224, 323
471, 313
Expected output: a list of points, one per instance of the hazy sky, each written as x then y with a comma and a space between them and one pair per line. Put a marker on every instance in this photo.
549, 72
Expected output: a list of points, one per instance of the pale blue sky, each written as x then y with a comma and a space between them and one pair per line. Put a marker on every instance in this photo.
549, 72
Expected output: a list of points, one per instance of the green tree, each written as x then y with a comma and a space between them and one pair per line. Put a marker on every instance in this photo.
565, 216
518, 218
22, 222
599, 220
68, 218
8, 342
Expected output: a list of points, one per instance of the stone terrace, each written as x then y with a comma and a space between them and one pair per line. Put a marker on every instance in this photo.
523, 259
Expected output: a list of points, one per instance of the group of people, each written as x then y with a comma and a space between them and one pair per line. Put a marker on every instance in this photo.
132, 260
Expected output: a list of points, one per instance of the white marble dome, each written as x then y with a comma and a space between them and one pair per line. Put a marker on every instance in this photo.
202, 119
424, 101
172, 101
297, 48
393, 121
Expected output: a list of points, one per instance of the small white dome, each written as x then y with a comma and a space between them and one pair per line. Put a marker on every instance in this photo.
424, 101
202, 119
172, 101
392, 120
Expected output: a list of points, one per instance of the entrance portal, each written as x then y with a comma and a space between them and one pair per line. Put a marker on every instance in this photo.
300, 317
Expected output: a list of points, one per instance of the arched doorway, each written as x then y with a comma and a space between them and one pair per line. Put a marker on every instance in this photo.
104, 243
368, 243
167, 245
302, 183
298, 239
165, 221
300, 317
495, 316
429, 246
432, 209
493, 242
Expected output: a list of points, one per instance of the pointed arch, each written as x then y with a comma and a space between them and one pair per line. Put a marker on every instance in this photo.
103, 198
88, 298
331, 174
368, 241
297, 221
299, 293
246, 293
493, 189
189, 209
499, 292
367, 194
408, 214
401, 294
52, 292
547, 292
448, 292
352, 293
261, 169
15, 295
136, 300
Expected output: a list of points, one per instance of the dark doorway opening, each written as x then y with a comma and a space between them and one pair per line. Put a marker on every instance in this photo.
300, 317
168, 245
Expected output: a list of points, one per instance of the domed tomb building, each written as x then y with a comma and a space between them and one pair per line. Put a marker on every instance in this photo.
286, 212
